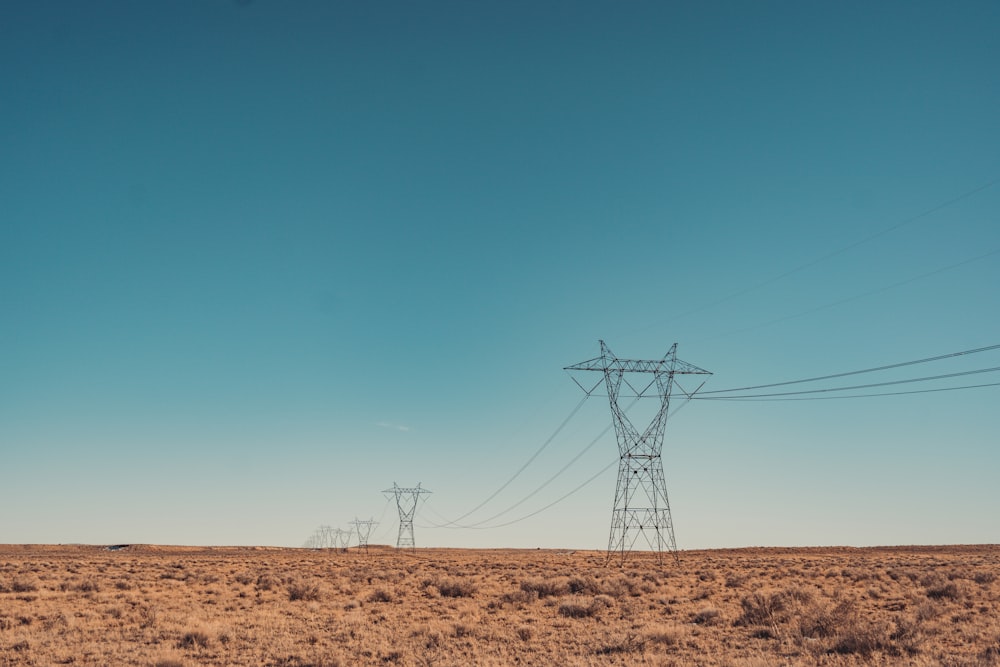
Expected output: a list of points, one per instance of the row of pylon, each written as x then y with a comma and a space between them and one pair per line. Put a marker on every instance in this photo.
407, 499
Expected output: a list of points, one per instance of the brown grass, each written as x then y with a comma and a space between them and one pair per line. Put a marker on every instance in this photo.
179, 607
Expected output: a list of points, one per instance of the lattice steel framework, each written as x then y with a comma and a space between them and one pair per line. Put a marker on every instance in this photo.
406, 503
342, 538
363, 527
641, 505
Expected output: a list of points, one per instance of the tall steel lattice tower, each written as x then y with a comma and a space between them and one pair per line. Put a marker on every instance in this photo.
406, 502
641, 504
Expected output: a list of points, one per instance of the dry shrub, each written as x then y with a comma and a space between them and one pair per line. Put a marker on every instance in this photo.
941, 591
584, 585
984, 577
795, 614
736, 580
519, 597
908, 635
818, 620
432, 637
453, 587
524, 633
618, 587
380, 595
304, 592
148, 616
629, 644
546, 587
668, 636
194, 639
168, 663
928, 610
707, 616
266, 582
763, 610
862, 637
88, 586
586, 610
575, 610
845, 630
24, 585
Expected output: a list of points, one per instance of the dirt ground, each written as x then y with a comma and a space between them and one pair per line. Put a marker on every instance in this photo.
176, 606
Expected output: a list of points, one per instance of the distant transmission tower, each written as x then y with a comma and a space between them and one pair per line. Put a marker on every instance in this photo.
641, 505
342, 538
363, 527
406, 502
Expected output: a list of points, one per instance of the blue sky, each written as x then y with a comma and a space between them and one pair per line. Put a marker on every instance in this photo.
260, 260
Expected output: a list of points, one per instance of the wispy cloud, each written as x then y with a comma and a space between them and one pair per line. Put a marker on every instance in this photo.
394, 427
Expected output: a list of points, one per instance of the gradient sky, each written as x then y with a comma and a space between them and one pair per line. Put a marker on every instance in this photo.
260, 260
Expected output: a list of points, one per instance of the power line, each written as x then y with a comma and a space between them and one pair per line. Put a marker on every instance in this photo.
858, 372
737, 398
526, 463
775, 396
554, 502
858, 386
385, 527
831, 398
454, 524
571, 492
545, 507
479, 524
565, 468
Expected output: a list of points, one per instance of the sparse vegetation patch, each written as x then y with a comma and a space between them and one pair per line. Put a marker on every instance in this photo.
924, 607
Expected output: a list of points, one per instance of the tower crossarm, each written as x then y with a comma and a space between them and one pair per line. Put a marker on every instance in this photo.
609, 363
400, 489
675, 366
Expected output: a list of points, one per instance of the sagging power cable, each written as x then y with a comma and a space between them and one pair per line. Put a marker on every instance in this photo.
523, 467
479, 525
859, 386
705, 394
885, 393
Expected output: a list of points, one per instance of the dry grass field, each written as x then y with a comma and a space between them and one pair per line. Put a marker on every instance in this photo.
175, 606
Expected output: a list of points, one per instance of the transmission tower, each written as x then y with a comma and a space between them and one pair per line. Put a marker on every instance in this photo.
406, 503
641, 506
342, 538
363, 527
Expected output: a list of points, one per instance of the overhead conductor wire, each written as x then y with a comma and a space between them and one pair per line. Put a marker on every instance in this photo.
479, 526
523, 467
703, 395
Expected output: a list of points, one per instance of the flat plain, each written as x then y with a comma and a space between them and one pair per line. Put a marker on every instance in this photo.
176, 606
